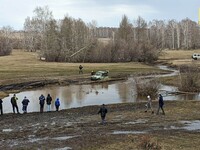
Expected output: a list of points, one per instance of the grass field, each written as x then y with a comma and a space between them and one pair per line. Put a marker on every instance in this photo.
179, 57
24, 66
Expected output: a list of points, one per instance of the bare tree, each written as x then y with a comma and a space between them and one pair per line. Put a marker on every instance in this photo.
5, 40
35, 29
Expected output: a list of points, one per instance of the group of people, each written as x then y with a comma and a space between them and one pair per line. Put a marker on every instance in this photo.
103, 110
48, 101
160, 104
26, 101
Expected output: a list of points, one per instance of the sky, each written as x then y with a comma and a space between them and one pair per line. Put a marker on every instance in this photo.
107, 13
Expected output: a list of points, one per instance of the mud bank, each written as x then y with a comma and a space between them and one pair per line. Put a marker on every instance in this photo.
80, 128
42, 83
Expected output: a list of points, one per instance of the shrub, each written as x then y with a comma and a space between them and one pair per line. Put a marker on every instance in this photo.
147, 87
189, 78
147, 143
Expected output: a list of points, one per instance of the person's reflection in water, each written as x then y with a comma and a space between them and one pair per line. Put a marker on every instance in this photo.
96, 92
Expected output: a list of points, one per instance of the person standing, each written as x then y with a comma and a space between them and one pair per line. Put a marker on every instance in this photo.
14, 103
48, 100
103, 112
80, 69
161, 104
42, 101
57, 104
149, 104
25, 104
1, 106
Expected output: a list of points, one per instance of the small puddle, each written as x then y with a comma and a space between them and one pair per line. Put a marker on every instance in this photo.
64, 148
63, 137
191, 125
32, 140
37, 139
129, 132
7, 130
139, 121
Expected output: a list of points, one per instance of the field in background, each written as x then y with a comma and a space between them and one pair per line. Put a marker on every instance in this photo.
25, 66
179, 57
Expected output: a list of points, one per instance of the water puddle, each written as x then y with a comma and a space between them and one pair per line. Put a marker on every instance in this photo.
64, 137
171, 128
7, 130
139, 121
129, 132
191, 125
32, 140
64, 148
37, 124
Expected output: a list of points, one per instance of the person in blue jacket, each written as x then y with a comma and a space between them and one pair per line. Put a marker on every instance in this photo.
161, 104
57, 104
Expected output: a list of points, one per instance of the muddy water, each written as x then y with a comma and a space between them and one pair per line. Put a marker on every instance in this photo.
93, 94
77, 95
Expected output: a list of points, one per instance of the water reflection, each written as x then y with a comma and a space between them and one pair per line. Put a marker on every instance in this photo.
76, 95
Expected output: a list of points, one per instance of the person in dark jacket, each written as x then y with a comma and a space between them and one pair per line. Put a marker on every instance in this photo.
103, 112
48, 100
80, 69
42, 101
14, 103
25, 104
57, 104
1, 106
161, 104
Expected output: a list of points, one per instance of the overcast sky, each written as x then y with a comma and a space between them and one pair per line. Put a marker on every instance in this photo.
105, 12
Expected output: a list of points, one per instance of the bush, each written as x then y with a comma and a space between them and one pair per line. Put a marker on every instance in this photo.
189, 78
147, 144
147, 87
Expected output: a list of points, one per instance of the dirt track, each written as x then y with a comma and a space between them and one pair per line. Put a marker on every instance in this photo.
80, 128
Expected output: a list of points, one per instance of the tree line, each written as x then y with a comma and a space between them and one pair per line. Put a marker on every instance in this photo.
72, 40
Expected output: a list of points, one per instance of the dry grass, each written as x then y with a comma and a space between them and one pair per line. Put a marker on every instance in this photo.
162, 137
24, 66
179, 57
177, 54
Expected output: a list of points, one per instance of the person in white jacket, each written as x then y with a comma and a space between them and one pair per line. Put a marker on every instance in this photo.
149, 104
